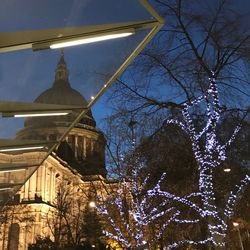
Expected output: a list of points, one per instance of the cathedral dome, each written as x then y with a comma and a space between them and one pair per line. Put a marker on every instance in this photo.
84, 146
61, 93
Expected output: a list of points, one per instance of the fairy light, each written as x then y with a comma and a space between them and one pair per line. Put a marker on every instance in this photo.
187, 242
129, 230
234, 195
135, 210
209, 158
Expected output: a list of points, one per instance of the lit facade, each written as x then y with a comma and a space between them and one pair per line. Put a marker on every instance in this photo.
76, 164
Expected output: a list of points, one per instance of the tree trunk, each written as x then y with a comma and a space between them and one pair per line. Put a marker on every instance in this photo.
213, 218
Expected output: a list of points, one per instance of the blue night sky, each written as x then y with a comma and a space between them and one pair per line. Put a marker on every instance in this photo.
242, 7
25, 74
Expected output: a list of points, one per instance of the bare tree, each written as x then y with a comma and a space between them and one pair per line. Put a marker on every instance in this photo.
135, 218
209, 153
199, 37
70, 219
200, 40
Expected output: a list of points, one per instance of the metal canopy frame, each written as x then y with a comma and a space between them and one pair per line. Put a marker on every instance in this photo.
40, 39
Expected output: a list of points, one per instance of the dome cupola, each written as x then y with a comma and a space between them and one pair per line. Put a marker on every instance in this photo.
84, 146
61, 93
62, 72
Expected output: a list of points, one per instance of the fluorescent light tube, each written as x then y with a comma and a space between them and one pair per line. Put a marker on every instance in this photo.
21, 148
93, 39
12, 170
35, 113
6, 188
41, 114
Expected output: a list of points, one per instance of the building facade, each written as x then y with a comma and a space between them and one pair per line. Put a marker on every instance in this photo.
77, 163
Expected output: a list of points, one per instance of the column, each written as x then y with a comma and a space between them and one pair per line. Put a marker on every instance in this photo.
32, 186
76, 146
38, 181
84, 148
43, 182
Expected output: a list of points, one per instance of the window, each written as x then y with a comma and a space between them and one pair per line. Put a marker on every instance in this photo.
13, 241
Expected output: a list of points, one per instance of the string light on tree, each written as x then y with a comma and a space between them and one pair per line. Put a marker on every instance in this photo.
209, 157
132, 209
132, 200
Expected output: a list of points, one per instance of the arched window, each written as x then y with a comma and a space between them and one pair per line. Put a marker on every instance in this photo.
13, 241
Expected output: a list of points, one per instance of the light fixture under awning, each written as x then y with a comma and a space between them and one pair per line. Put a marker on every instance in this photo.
20, 109
12, 170
21, 148
7, 146
8, 186
13, 167
90, 39
35, 113
83, 38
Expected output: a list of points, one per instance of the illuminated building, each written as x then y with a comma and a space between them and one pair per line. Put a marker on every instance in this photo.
77, 160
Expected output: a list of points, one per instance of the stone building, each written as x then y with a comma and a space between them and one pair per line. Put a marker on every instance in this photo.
76, 163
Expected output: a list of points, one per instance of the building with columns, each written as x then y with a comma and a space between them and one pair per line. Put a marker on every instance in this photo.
75, 164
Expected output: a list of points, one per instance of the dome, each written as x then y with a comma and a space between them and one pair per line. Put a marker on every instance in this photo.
84, 146
61, 93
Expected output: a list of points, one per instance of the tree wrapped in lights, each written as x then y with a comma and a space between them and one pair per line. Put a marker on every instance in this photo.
209, 154
133, 209
134, 218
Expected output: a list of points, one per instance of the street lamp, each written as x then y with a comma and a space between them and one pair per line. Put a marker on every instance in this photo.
236, 226
92, 204
227, 170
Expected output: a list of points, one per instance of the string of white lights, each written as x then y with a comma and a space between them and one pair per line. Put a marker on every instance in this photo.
137, 210
234, 195
208, 157
133, 202
187, 242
